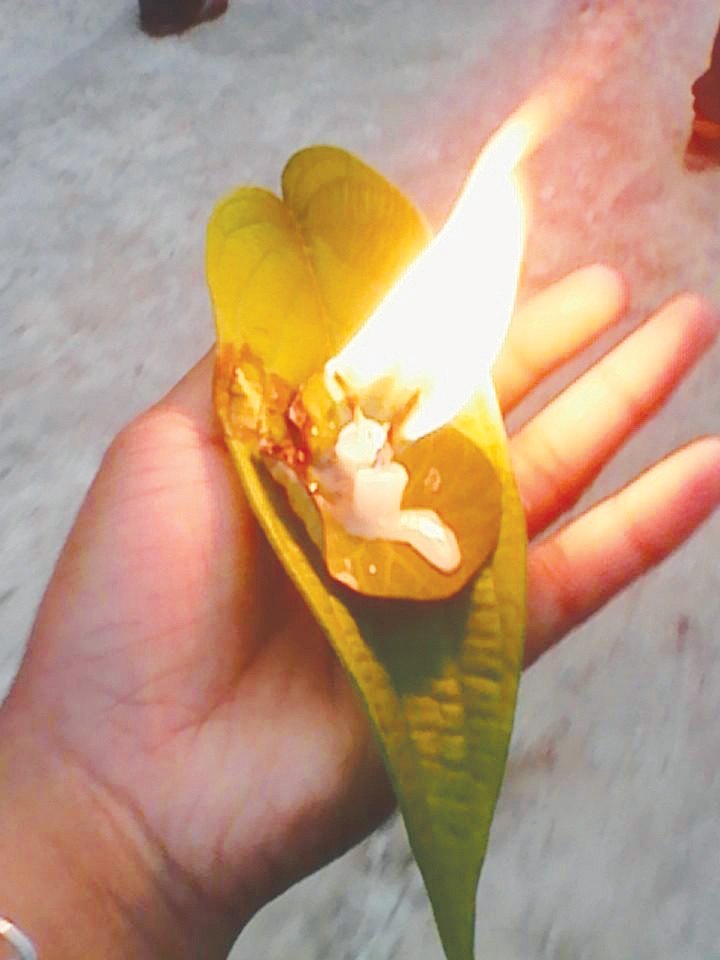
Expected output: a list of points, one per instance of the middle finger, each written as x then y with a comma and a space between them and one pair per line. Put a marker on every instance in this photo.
561, 450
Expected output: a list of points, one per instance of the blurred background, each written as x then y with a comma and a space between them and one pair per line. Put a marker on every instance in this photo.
113, 150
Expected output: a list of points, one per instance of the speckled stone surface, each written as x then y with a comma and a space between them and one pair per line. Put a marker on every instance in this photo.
113, 149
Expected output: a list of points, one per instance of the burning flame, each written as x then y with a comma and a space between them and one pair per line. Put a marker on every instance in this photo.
441, 326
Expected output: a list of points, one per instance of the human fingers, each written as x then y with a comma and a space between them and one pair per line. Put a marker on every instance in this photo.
547, 330
580, 568
191, 397
559, 452
554, 325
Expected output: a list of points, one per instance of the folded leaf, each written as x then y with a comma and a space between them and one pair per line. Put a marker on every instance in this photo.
291, 281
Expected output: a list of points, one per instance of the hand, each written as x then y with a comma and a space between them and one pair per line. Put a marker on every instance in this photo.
176, 671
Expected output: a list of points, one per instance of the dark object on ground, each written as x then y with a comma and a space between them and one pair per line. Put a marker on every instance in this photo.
160, 18
703, 149
706, 88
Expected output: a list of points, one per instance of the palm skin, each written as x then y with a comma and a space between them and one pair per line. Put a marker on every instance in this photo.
174, 663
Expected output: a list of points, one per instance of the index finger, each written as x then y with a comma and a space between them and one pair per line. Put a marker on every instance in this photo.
554, 325
191, 397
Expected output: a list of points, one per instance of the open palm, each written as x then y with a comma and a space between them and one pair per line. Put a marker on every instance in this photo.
182, 671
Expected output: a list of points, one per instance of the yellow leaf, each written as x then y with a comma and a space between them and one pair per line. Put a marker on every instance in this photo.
263, 292
291, 281
359, 232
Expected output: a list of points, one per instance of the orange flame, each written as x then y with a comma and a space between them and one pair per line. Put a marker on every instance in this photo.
441, 326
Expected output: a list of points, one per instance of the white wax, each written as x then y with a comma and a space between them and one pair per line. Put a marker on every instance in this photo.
377, 483
378, 491
359, 442
432, 538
